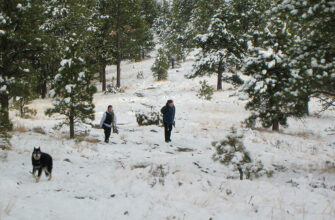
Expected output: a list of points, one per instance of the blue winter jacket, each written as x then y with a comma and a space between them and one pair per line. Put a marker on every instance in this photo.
168, 114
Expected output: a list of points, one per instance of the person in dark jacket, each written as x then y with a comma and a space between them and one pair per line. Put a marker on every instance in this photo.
168, 111
108, 121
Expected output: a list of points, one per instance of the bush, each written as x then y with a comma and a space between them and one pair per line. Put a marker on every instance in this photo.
231, 151
205, 91
140, 75
235, 80
19, 103
113, 90
146, 119
161, 66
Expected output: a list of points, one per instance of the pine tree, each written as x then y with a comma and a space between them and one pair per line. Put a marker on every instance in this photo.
19, 41
149, 11
272, 98
221, 50
312, 52
174, 29
46, 62
72, 90
161, 66
202, 14
4, 136
101, 41
130, 34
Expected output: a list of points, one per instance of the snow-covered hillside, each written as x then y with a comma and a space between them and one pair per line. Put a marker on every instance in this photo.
139, 176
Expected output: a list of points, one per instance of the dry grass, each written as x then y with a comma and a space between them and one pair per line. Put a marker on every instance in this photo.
92, 140
328, 168
6, 147
9, 207
140, 166
302, 134
20, 128
39, 130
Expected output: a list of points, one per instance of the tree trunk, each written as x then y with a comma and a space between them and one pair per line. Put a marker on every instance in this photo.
21, 110
103, 76
275, 125
306, 110
44, 89
220, 71
142, 53
71, 127
118, 45
4, 100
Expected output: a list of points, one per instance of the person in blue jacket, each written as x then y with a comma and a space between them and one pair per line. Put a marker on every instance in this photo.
169, 112
108, 121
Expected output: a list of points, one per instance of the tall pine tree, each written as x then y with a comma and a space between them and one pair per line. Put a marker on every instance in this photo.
72, 89
221, 48
270, 89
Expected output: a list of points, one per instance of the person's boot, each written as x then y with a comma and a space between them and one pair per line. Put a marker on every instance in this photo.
106, 141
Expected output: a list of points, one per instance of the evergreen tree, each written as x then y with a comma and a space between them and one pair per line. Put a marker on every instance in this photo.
101, 41
149, 11
272, 98
130, 34
221, 50
4, 136
161, 66
19, 41
174, 29
72, 90
229, 27
46, 62
312, 52
202, 14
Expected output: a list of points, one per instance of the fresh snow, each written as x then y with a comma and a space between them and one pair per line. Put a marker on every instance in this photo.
139, 176
66, 62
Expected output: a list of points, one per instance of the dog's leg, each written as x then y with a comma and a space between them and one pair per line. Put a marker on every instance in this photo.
47, 173
34, 171
39, 175
50, 176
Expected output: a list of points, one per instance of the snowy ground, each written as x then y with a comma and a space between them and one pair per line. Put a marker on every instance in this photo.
139, 176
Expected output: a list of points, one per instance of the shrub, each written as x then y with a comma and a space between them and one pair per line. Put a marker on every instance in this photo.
19, 103
231, 151
111, 89
205, 90
140, 75
146, 119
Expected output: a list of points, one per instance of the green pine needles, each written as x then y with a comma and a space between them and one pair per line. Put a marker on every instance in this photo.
232, 152
73, 91
206, 91
161, 66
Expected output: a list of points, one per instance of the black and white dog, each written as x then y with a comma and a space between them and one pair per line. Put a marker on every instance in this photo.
41, 161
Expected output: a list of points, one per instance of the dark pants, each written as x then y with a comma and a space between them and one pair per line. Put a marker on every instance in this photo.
167, 131
107, 132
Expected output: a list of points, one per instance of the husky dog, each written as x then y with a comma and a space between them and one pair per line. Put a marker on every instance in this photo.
41, 161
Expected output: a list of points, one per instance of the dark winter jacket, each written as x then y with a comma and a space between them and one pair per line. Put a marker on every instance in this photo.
168, 114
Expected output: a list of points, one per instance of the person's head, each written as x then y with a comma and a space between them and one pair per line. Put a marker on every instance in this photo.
110, 108
170, 103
